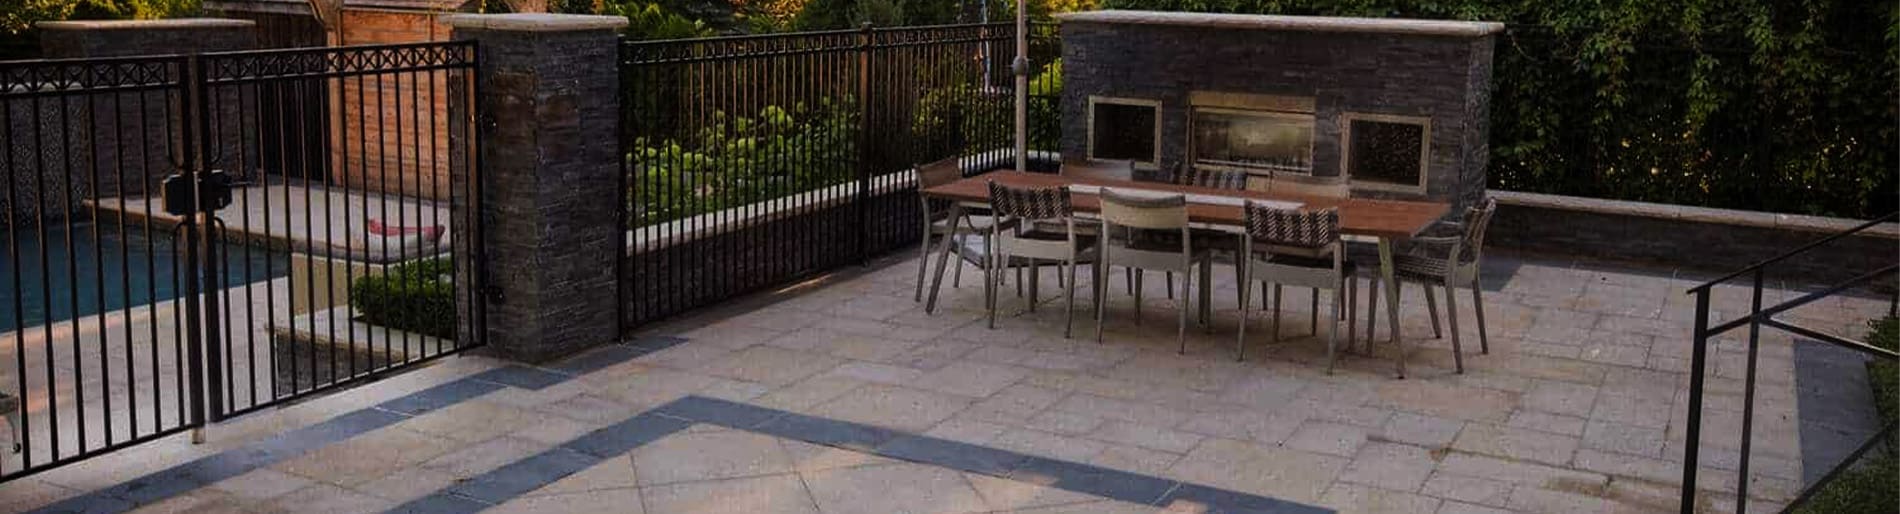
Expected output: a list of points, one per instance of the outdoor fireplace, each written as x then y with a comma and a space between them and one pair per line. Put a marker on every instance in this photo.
1399, 108
1258, 134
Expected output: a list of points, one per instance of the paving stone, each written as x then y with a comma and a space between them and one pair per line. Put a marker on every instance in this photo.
1145, 436
1447, 401
973, 379
1642, 411
409, 484
623, 501
1135, 460
1250, 468
1390, 466
774, 494
807, 393
1516, 443
1002, 494
690, 457
873, 372
1359, 499
367, 456
894, 489
1620, 438
472, 460
1031, 442
894, 407
1452, 486
261, 484
807, 457
1455, 507
967, 431
1514, 471
471, 421
1064, 423
1547, 422
1420, 430
770, 365
1328, 438
1560, 397
329, 499
612, 473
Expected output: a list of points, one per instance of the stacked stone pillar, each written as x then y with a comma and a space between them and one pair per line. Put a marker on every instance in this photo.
550, 171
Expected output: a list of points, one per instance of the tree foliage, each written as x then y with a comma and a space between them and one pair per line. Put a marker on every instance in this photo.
647, 20
1777, 105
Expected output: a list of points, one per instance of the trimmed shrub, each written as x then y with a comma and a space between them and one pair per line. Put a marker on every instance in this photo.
414, 297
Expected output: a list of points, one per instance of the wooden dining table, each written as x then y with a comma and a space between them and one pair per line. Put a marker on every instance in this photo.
1389, 221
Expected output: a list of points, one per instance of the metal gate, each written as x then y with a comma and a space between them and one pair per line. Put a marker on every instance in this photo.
189, 238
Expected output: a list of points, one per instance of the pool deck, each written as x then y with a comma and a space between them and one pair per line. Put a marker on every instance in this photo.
314, 219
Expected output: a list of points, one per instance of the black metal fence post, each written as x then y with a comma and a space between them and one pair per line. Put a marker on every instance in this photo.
1748, 393
1697, 361
188, 165
866, 37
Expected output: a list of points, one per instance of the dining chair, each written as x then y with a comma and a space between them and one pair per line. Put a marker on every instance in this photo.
10, 407
1154, 236
1021, 231
1449, 261
1329, 187
937, 222
1231, 180
1299, 248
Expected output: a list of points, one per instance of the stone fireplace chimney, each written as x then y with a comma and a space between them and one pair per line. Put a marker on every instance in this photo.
1398, 107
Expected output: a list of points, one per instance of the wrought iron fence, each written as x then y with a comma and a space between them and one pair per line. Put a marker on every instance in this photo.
189, 238
755, 160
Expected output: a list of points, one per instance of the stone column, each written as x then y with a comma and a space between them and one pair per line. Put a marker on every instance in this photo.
128, 139
551, 175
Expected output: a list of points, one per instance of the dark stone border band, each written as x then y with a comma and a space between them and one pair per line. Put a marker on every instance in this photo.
513, 480
164, 484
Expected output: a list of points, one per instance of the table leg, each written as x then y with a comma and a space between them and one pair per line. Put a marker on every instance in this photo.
943, 258
1391, 299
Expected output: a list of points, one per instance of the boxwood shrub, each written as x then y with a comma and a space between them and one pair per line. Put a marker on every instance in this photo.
414, 297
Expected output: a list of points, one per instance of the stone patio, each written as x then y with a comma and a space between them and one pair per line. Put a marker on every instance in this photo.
1580, 406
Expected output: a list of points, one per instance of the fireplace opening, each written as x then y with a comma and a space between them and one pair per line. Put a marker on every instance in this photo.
1259, 134
1125, 129
1386, 152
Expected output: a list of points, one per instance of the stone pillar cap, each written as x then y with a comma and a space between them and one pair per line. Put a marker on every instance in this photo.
1290, 23
535, 22
174, 23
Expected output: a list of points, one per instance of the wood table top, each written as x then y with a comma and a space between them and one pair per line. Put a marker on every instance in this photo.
1389, 219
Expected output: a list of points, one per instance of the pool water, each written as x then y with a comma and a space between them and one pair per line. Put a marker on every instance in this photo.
113, 269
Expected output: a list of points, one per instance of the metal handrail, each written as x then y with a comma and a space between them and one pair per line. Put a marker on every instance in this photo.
1804, 248
1757, 317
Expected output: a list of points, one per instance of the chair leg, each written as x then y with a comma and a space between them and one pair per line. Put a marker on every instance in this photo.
1068, 316
1276, 314
956, 278
1207, 296
1128, 278
1372, 309
936, 279
1181, 332
1352, 311
1477, 303
19, 429
990, 278
1240, 340
1263, 295
1035, 283
1451, 316
1171, 285
1138, 282
1332, 333
1100, 292
923, 262
1431, 307
1313, 324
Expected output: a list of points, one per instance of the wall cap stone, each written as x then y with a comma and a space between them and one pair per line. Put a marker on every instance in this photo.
169, 24
535, 22
1688, 213
1290, 23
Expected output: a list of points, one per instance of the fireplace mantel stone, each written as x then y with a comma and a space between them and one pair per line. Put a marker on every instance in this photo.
1350, 68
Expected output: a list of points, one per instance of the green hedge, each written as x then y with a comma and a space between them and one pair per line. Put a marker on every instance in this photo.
1873, 487
415, 297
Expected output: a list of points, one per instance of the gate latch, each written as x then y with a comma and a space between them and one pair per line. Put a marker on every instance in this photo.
213, 192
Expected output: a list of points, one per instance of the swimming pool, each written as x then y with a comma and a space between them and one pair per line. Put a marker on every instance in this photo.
106, 269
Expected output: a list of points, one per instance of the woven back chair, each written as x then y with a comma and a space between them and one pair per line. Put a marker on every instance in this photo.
1297, 248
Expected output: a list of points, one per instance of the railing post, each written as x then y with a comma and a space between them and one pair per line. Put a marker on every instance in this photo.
1748, 394
1697, 361
866, 37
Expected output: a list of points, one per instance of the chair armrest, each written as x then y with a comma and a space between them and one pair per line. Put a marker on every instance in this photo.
1436, 240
